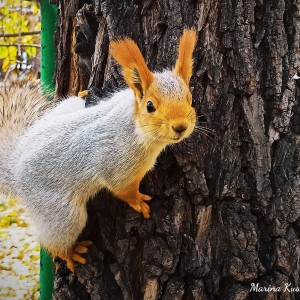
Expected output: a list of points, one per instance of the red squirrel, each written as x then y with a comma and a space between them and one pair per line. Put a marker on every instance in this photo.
55, 161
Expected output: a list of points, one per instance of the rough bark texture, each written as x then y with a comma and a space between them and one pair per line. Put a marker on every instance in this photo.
226, 207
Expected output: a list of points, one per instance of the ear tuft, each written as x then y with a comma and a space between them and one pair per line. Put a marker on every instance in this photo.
184, 63
136, 73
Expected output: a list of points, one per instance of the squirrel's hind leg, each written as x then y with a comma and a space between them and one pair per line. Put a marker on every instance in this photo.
73, 255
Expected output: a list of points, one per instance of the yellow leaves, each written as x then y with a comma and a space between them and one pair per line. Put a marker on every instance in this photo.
10, 3
34, 257
12, 202
4, 222
15, 20
35, 9
2, 206
19, 254
9, 56
12, 216
31, 51
38, 26
4, 11
13, 213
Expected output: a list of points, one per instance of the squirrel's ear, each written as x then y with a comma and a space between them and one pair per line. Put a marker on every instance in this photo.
136, 73
184, 63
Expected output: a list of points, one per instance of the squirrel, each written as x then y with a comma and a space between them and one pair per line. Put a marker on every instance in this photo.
54, 158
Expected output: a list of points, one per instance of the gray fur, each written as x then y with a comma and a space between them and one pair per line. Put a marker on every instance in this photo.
21, 104
169, 85
45, 161
72, 152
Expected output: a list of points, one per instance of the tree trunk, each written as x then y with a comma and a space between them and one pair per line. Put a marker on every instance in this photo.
226, 203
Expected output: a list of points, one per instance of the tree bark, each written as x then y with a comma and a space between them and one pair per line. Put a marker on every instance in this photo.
226, 203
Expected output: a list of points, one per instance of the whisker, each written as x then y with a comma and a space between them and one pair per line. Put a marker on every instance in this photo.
205, 127
163, 114
209, 122
154, 138
212, 139
190, 113
208, 130
203, 133
207, 134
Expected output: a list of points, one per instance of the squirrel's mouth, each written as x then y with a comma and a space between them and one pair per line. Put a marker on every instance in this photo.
176, 139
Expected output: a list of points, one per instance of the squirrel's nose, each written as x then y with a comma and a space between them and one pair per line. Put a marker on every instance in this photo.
179, 128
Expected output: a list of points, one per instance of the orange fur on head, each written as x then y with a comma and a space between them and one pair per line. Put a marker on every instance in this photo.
184, 63
136, 73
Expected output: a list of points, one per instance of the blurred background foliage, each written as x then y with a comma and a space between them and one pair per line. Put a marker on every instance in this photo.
19, 39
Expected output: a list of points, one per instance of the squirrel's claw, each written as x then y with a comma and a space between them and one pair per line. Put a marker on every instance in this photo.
79, 248
145, 210
78, 258
146, 197
82, 247
140, 206
83, 93
70, 265
135, 199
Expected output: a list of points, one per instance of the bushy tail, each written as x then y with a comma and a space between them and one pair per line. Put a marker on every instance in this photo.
21, 104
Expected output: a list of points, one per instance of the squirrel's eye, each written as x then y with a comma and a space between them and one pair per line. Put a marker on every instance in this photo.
150, 107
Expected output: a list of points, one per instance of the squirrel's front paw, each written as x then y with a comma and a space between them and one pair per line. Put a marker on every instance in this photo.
140, 206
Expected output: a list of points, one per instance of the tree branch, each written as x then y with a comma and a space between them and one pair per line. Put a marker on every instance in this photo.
17, 34
24, 46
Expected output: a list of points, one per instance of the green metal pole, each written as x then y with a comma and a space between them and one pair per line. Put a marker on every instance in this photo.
48, 22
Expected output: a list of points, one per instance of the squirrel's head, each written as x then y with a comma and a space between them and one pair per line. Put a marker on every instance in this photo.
163, 102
